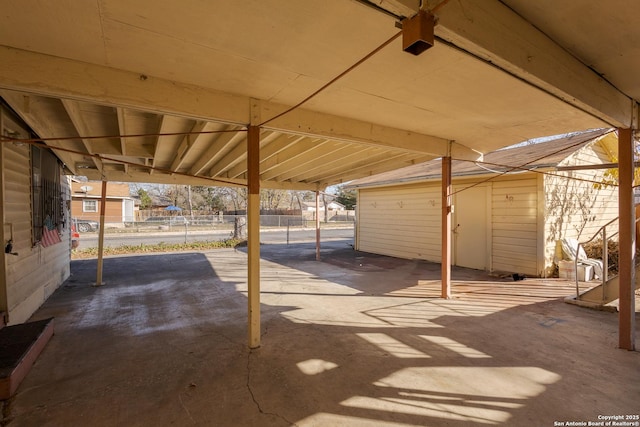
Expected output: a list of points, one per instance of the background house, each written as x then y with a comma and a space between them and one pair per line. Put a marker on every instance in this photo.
85, 202
333, 208
35, 201
508, 223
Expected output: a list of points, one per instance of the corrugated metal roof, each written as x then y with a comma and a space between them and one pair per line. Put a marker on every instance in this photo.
538, 155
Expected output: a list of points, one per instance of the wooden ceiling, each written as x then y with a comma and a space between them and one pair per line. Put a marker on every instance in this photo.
152, 91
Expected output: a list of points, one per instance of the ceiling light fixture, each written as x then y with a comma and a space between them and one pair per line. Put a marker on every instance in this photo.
417, 32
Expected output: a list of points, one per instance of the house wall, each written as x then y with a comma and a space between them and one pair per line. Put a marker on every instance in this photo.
514, 213
577, 209
401, 221
113, 213
404, 221
33, 274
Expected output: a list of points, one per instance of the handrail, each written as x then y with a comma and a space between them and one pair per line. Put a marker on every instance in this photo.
605, 254
602, 228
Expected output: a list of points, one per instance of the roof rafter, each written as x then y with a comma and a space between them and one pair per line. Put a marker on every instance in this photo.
345, 155
75, 115
53, 76
221, 140
299, 154
187, 144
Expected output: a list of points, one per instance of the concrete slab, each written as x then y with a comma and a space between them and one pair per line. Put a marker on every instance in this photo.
353, 340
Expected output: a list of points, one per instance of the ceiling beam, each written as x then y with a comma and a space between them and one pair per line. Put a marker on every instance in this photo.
187, 144
157, 178
122, 128
65, 78
162, 128
377, 165
75, 115
314, 124
166, 178
494, 33
298, 155
216, 146
396, 8
271, 149
59, 77
236, 155
43, 125
327, 162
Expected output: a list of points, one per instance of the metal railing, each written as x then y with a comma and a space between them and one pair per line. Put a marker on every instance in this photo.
605, 254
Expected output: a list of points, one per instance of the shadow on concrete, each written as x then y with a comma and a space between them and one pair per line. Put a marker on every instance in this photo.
164, 343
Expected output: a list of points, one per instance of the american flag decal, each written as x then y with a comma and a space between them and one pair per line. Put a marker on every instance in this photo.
49, 237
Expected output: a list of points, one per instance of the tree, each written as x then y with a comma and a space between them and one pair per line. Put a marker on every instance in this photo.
208, 198
270, 199
348, 198
145, 199
611, 176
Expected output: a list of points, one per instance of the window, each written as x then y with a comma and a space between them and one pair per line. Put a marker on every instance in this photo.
46, 193
89, 206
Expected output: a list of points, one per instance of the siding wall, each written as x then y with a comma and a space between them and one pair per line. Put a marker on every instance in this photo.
32, 275
400, 221
113, 213
514, 208
529, 213
577, 209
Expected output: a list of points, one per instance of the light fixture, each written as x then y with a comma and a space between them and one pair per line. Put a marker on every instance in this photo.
417, 33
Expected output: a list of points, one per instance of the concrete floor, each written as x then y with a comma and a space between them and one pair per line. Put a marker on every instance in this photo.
357, 340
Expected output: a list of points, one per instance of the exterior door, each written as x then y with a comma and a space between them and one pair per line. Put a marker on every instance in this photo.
469, 227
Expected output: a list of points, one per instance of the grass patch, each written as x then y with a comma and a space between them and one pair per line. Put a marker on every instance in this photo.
157, 247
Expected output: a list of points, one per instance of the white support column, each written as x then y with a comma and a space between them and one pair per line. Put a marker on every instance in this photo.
317, 225
446, 227
103, 208
626, 320
253, 238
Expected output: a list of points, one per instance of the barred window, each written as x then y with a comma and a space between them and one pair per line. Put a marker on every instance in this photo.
46, 193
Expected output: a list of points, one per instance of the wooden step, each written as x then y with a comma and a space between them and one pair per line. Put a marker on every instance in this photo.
20, 346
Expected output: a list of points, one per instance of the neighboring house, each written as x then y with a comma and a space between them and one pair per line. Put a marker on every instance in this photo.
85, 202
509, 222
35, 200
333, 208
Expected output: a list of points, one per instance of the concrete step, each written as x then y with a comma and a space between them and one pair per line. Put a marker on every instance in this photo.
595, 298
20, 346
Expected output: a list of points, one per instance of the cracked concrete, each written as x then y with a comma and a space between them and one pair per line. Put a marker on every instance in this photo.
356, 339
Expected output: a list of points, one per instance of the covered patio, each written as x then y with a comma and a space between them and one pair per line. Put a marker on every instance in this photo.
302, 95
358, 340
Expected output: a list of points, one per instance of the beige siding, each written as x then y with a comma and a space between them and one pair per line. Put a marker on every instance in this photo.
577, 209
514, 209
401, 221
35, 272
529, 212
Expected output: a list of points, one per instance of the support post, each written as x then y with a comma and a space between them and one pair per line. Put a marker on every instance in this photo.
446, 227
317, 225
4, 299
626, 319
253, 235
103, 208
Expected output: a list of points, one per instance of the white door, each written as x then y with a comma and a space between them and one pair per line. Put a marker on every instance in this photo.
469, 226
